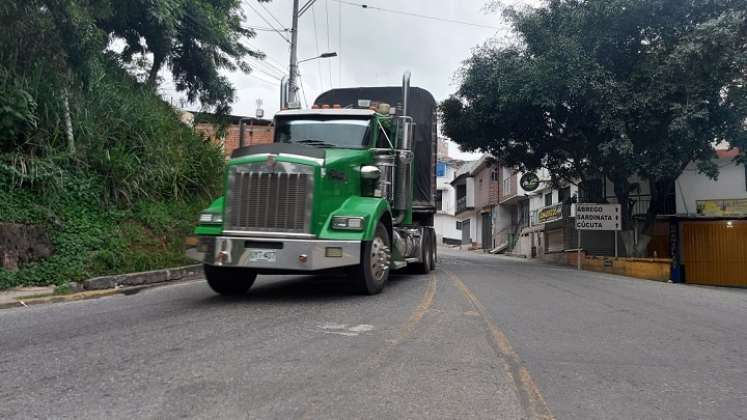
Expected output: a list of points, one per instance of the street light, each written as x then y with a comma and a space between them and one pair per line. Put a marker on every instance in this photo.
289, 90
325, 55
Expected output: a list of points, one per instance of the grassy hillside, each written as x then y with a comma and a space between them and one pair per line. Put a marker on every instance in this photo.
122, 196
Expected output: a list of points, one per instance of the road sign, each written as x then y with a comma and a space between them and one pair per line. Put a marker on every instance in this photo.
591, 216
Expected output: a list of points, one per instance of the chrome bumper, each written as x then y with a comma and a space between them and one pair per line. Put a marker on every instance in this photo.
290, 254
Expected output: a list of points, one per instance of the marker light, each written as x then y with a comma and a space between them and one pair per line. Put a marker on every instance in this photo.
333, 252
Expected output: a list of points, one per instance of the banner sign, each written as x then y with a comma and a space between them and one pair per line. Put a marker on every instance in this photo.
722, 208
598, 216
550, 213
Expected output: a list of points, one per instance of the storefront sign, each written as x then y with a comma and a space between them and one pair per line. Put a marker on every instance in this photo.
529, 181
598, 217
722, 208
550, 213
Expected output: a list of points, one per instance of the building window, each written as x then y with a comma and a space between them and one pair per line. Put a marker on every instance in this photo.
440, 169
548, 199
458, 225
494, 175
592, 191
564, 195
439, 200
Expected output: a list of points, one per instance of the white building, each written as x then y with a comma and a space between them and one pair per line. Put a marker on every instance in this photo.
699, 196
446, 223
464, 189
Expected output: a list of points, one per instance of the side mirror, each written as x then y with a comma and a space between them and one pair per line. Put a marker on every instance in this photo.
371, 173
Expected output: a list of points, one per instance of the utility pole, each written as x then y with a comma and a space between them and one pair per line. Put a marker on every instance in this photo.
293, 74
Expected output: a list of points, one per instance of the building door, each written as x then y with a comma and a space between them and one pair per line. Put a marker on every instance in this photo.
487, 231
715, 253
466, 238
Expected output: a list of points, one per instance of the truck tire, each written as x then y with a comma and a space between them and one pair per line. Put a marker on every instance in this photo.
376, 259
427, 257
229, 281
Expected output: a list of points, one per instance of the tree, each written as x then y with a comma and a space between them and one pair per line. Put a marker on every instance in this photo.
610, 88
194, 38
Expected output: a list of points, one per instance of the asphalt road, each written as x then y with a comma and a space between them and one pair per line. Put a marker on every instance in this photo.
482, 337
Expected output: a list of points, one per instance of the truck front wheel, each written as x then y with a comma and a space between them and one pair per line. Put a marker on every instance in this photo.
229, 281
376, 257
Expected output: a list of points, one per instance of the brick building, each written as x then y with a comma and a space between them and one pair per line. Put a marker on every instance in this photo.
256, 130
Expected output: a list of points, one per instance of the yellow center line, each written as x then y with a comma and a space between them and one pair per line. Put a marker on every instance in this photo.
409, 326
425, 305
530, 396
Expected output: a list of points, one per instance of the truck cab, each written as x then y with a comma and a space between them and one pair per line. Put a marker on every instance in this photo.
333, 191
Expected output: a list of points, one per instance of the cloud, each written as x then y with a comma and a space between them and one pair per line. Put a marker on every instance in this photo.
374, 47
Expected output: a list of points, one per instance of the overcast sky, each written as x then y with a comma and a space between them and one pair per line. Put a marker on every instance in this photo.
374, 47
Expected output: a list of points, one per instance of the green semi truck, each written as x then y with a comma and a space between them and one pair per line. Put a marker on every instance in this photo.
347, 185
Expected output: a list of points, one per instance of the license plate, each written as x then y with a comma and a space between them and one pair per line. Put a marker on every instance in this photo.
262, 255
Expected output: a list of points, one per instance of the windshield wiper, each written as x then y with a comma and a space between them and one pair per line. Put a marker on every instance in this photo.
316, 143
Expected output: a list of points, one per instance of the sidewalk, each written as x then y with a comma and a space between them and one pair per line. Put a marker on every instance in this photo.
11, 296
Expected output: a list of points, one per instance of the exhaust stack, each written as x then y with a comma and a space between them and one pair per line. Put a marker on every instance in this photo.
405, 91
404, 155
284, 93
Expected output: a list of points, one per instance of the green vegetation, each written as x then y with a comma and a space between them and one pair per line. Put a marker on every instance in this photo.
91, 152
128, 196
616, 89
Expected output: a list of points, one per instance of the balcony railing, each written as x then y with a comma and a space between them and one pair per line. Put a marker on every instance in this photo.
461, 204
639, 203
509, 187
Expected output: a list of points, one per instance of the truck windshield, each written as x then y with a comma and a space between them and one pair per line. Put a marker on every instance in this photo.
345, 133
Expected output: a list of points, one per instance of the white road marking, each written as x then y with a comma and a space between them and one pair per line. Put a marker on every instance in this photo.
341, 329
346, 334
361, 328
333, 326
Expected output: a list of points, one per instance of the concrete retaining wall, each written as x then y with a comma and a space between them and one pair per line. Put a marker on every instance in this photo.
658, 269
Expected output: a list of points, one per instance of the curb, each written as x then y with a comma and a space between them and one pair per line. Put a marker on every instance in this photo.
144, 278
121, 284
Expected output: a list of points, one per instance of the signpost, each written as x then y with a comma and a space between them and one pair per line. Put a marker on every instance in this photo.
590, 216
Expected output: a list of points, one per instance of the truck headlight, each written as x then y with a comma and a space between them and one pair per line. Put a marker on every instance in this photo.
347, 223
211, 218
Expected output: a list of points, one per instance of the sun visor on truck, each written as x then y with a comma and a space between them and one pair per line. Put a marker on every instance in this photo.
422, 108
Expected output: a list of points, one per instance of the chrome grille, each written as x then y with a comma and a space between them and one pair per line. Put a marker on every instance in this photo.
278, 201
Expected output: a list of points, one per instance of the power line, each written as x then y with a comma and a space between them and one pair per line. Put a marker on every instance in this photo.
277, 31
329, 47
418, 15
255, 77
303, 91
268, 74
268, 70
339, 42
270, 13
267, 59
257, 28
316, 40
259, 65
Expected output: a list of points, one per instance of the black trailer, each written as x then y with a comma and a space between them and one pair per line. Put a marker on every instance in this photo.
422, 108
